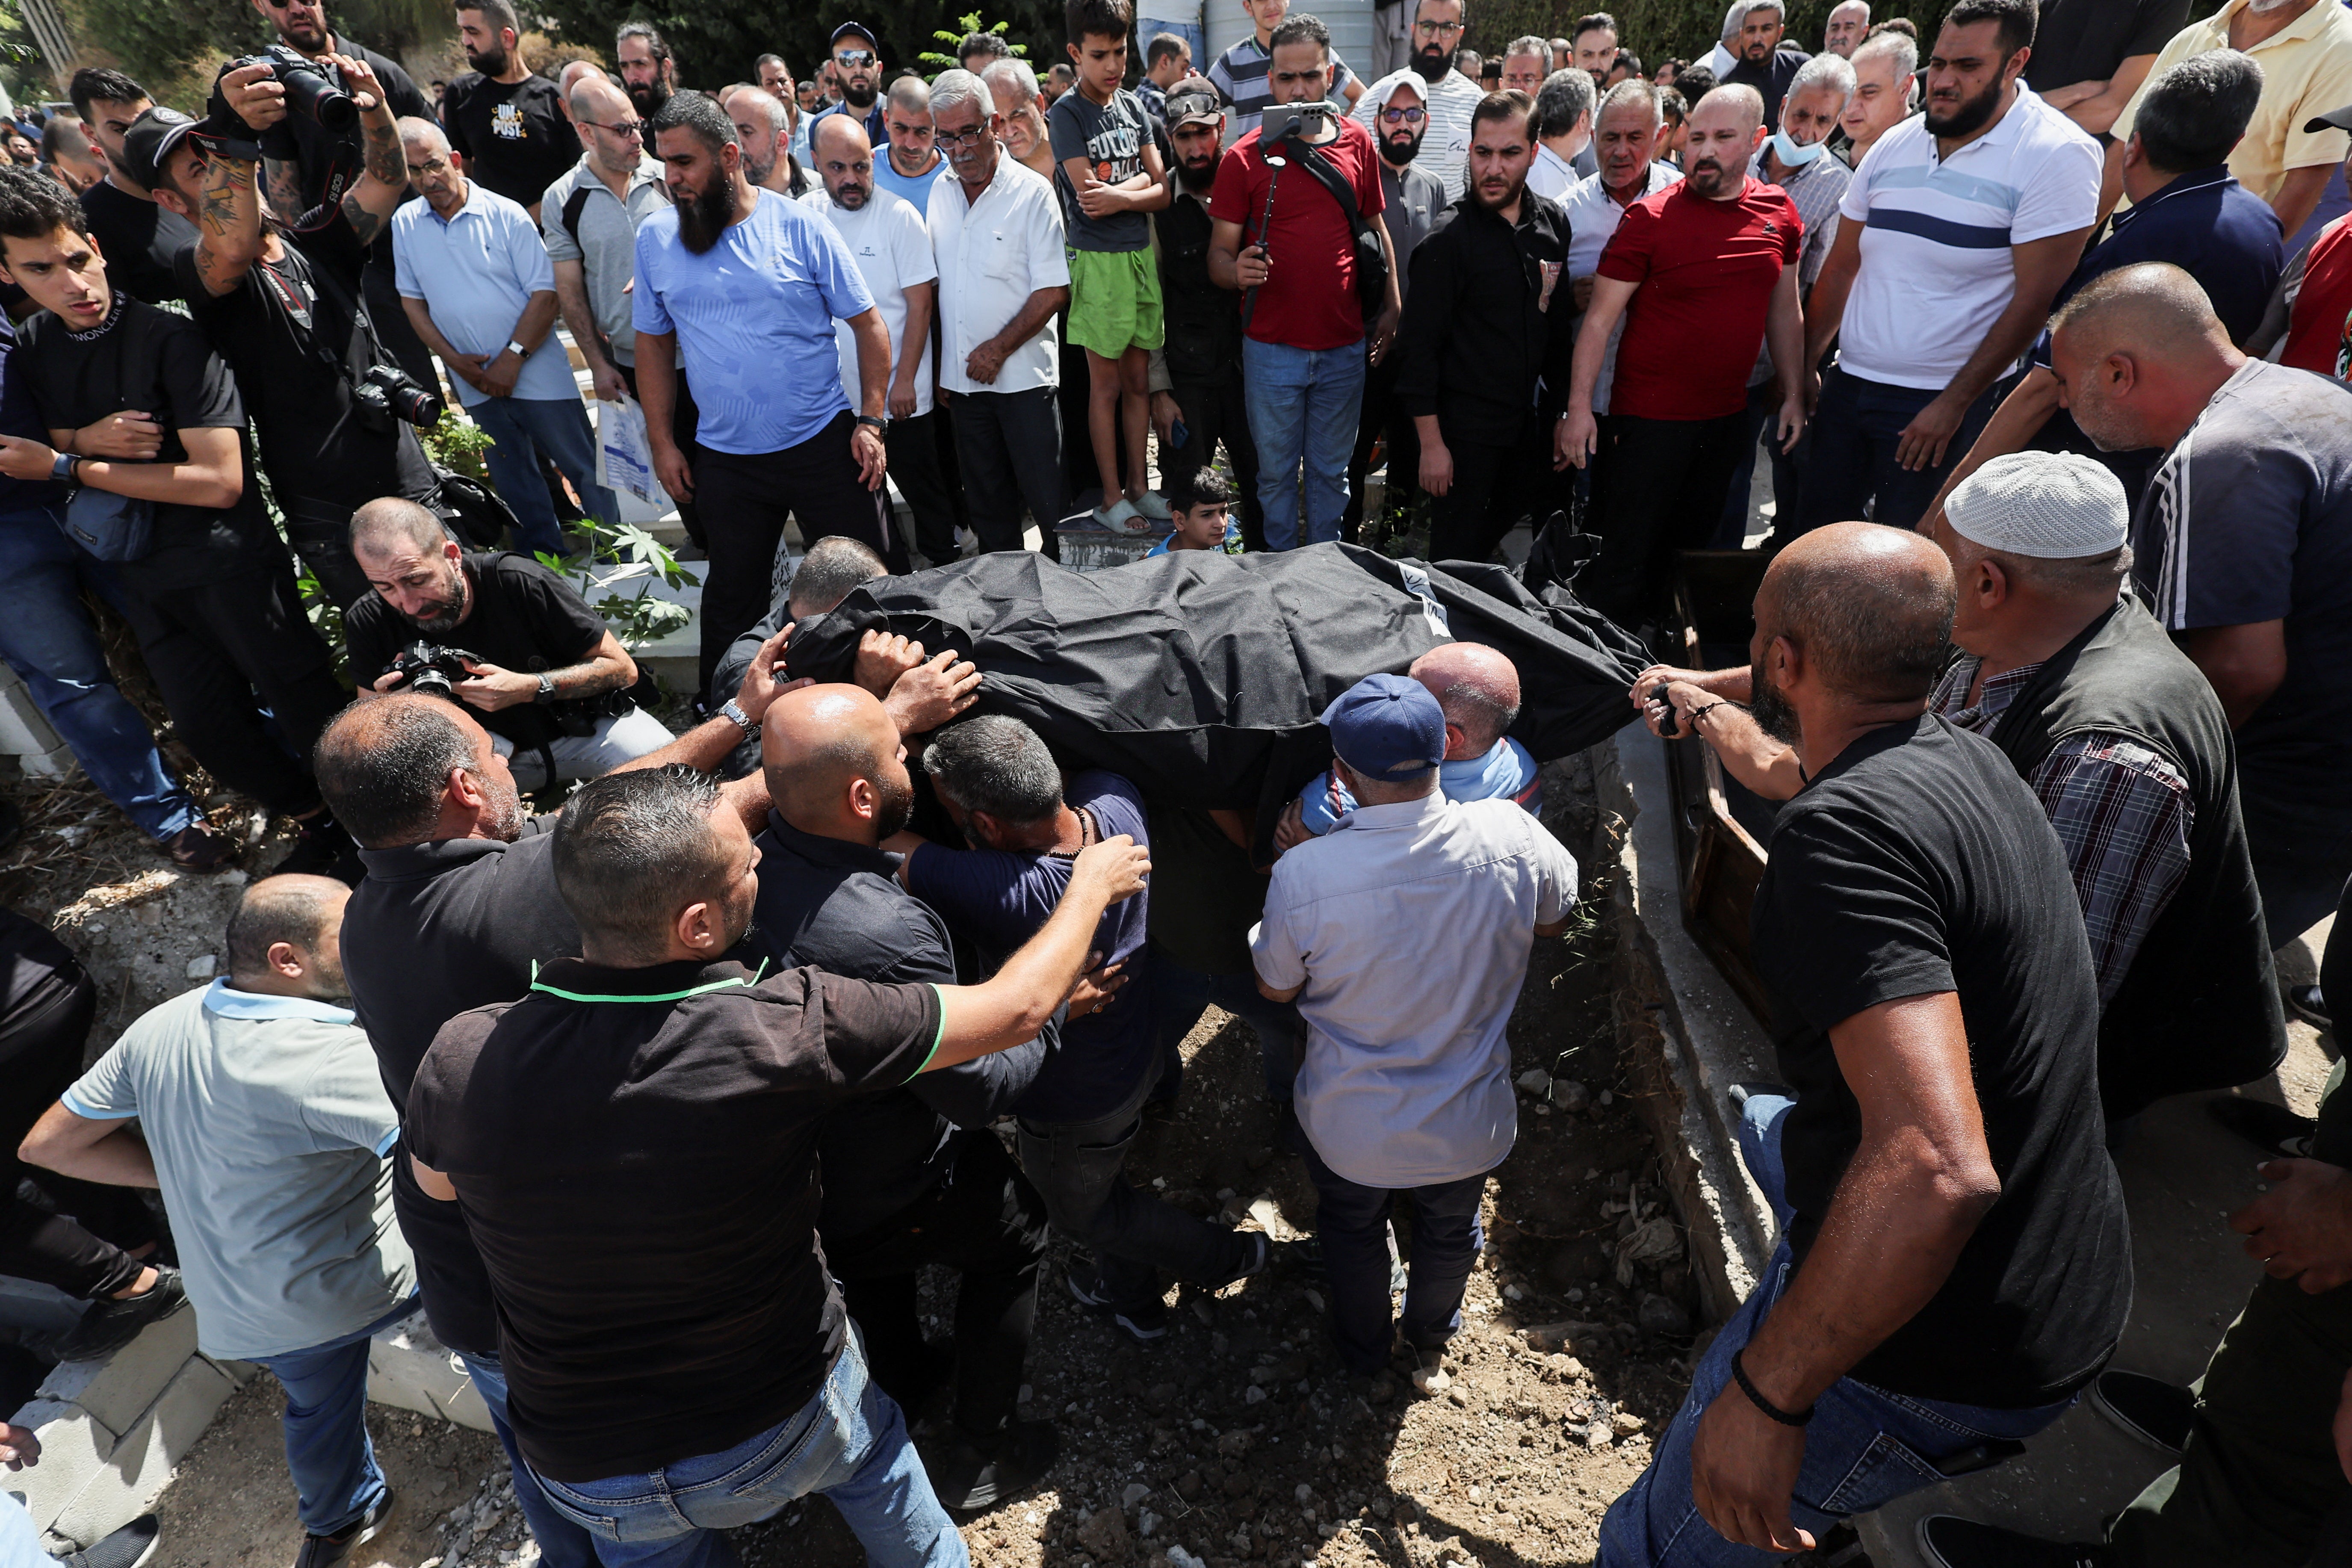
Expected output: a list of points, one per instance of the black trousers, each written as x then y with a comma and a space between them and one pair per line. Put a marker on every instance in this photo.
1010, 444
745, 500
211, 647
986, 1222
1213, 412
391, 321
63, 1233
685, 418
1495, 483
1382, 419
919, 467
1657, 486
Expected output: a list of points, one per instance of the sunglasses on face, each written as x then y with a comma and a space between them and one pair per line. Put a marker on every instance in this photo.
854, 58
626, 128
1403, 116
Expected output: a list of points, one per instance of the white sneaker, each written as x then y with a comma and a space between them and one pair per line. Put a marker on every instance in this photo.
1122, 518
1154, 505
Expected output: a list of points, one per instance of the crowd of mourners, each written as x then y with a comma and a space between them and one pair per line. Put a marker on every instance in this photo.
656, 1106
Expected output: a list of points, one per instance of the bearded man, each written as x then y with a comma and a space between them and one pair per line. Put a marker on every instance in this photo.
741, 287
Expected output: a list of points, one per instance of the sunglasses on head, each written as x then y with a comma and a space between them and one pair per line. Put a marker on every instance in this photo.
854, 58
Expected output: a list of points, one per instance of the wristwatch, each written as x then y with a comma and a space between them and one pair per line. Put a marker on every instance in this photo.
546, 688
64, 468
878, 421
517, 350
732, 710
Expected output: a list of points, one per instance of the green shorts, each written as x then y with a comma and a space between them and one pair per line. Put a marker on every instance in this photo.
1114, 300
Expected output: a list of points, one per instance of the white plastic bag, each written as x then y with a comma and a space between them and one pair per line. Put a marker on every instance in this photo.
625, 458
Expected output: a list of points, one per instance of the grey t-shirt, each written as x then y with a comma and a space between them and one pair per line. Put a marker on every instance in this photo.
605, 243
1415, 200
1112, 136
2249, 519
269, 1123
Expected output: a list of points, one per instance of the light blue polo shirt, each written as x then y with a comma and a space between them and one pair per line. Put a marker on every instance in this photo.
754, 316
476, 273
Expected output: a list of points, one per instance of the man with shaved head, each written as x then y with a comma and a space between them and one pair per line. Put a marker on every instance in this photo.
912, 1177
1478, 688
2243, 546
1954, 1264
262, 1121
766, 138
589, 218
460, 887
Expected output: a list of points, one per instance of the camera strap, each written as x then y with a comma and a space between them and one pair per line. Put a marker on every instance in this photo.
302, 314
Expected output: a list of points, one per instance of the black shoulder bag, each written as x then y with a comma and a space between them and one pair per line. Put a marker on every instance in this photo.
1372, 261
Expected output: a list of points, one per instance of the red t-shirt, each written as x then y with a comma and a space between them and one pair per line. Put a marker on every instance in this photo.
2320, 329
1706, 271
1309, 298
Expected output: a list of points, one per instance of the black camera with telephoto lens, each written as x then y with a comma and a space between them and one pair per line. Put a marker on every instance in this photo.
432, 670
388, 394
313, 92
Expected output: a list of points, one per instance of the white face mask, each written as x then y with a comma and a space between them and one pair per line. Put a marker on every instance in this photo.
1796, 157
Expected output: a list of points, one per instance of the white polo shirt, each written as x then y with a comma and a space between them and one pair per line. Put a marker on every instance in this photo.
992, 257
1593, 218
1936, 267
1410, 927
892, 247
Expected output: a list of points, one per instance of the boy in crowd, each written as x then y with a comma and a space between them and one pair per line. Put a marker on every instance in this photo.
1109, 171
1201, 504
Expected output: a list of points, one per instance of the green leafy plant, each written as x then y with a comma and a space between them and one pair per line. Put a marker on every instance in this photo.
457, 444
620, 555
966, 24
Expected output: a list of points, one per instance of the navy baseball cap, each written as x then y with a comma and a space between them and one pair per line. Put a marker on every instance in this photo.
1387, 727
853, 31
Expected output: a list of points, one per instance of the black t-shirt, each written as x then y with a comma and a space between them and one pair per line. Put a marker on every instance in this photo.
2085, 40
1919, 862
524, 617
318, 146
39, 975
635, 1154
514, 136
1771, 78
435, 929
138, 240
1205, 894
144, 357
271, 328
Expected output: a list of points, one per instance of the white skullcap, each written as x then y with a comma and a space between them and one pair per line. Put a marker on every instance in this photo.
2049, 505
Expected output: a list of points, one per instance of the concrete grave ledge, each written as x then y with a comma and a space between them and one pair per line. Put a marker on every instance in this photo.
1684, 1035
112, 1431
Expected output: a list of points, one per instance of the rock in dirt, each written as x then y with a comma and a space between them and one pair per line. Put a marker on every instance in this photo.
1535, 1081
1105, 1536
1663, 1315
1570, 1095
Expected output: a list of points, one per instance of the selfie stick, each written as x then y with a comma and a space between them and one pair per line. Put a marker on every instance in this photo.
1277, 163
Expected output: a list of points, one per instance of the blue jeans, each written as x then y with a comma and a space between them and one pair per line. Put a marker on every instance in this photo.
849, 1442
1303, 405
1353, 1222
1855, 432
327, 1447
1178, 997
1864, 1447
1196, 38
47, 638
523, 427
561, 1543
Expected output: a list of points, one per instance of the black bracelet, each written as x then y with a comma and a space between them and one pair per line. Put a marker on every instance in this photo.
1695, 714
1739, 1374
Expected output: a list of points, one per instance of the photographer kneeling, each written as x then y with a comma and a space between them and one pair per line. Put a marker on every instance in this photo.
283, 304
499, 633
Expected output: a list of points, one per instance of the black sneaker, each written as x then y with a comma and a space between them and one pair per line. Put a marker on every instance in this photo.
2158, 1412
322, 849
2274, 1130
1257, 1257
326, 1550
1145, 1322
109, 1326
967, 1480
1307, 1252
130, 1547
2309, 1002
196, 848
1950, 1542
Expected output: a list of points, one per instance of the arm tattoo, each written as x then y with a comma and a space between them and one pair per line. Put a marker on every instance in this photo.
364, 224
385, 161
284, 183
228, 185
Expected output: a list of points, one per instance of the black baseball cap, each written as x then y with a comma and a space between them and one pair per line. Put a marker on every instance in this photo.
2334, 119
853, 31
150, 140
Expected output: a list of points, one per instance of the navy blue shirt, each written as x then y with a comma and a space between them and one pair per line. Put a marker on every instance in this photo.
2212, 228
878, 130
999, 899
20, 417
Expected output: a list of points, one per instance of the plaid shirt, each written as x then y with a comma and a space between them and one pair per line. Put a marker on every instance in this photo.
2122, 812
1815, 188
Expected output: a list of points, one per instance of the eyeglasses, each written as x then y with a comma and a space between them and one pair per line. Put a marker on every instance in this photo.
626, 128
1403, 116
1437, 29
971, 138
854, 58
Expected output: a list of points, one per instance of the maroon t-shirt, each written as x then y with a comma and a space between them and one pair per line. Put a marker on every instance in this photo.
1707, 271
1308, 299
